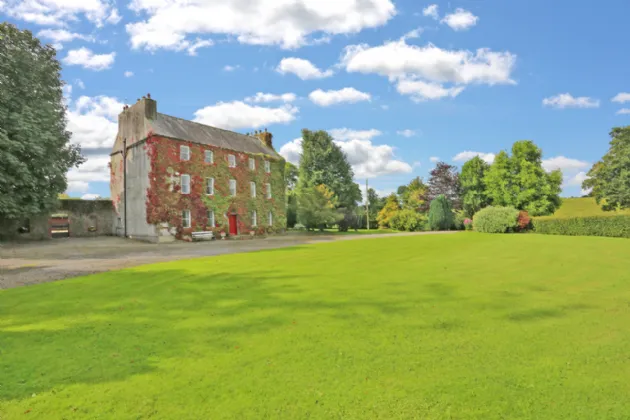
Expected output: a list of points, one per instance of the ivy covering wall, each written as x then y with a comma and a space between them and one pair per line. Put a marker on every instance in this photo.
165, 202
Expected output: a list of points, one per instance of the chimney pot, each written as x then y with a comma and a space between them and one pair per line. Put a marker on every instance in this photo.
149, 95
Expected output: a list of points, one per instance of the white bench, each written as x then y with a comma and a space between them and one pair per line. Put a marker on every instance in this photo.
202, 236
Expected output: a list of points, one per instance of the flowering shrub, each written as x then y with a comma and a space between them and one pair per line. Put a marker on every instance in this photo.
165, 203
523, 221
468, 225
496, 220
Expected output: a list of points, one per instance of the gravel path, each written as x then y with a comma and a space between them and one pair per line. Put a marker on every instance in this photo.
40, 262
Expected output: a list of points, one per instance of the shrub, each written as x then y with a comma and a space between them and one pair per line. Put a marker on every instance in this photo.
468, 224
496, 220
458, 220
408, 220
524, 221
611, 226
440, 214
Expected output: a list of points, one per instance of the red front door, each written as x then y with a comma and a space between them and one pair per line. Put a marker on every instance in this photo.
232, 220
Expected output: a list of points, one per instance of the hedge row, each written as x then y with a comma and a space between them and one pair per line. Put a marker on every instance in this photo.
613, 226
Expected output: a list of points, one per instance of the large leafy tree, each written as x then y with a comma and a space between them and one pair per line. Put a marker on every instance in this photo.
414, 196
317, 207
440, 214
35, 149
323, 162
609, 178
444, 180
473, 187
391, 207
520, 181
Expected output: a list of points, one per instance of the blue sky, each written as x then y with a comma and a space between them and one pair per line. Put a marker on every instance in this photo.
398, 83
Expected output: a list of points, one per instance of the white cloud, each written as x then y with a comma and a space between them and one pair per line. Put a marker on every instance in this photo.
406, 133
303, 69
95, 169
467, 155
621, 98
423, 71
292, 150
289, 24
85, 58
432, 11
79, 83
421, 91
623, 111
114, 17
61, 35
128, 73
333, 97
414, 33
434, 159
367, 159
344, 134
385, 107
90, 197
566, 100
564, 163
77, 186
231, 68
58, 12
460, 20
199, 43
261, 97
236, 115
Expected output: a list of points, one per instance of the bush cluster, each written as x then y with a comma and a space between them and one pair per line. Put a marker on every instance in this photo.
496, 220
611, 226
440, 214
458, 221
408, 220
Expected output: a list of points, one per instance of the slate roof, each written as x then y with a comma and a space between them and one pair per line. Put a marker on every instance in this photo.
177, 128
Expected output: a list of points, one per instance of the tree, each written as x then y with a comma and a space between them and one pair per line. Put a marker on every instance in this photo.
291, 178
440, 214
323, 162
520, 181
473, 187
316, 207
35, 149
391, 207
609, 179
444, 180
414, 196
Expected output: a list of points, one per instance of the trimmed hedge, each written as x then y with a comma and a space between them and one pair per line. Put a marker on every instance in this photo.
496, 220
610, 226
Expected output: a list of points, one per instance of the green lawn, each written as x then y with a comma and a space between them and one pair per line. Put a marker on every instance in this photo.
435, 327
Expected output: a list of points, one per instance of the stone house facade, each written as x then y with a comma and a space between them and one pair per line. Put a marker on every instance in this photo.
171, 177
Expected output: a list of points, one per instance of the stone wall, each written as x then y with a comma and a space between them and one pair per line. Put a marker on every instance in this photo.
85, 217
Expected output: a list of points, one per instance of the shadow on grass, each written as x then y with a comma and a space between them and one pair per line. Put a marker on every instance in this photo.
112, 326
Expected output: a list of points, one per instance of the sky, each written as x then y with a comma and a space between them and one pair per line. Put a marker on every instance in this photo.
400, 84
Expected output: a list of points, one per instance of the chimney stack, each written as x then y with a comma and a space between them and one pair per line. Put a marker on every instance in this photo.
266, 138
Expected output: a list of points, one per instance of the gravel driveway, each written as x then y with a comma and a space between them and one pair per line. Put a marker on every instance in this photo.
39, 262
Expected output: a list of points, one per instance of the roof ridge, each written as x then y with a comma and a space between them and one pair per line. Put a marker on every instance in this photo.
206, 125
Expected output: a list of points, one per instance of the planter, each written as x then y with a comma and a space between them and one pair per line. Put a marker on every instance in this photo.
252, 233
222, 235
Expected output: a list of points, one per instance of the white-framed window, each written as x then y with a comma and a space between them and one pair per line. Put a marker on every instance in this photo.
252, 188
186, 218
232, 161
267, 166
185, 184
232, 187
268, 186
184, 153
270, 219
208, 156
211, 218
210, 186
252, 164
254, 219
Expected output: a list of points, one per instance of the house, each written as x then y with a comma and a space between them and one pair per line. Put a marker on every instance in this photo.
171, 177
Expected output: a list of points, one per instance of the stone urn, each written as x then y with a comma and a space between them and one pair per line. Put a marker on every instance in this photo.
222, 235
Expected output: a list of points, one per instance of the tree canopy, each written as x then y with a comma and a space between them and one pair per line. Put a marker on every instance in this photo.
473, 187
317, 207
35, 149
609, 178
444, 180
521, 182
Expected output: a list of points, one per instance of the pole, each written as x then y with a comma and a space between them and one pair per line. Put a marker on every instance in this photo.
125, 181
367, 204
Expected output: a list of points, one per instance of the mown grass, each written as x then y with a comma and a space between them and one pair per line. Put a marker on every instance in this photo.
582, 207
465, 326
